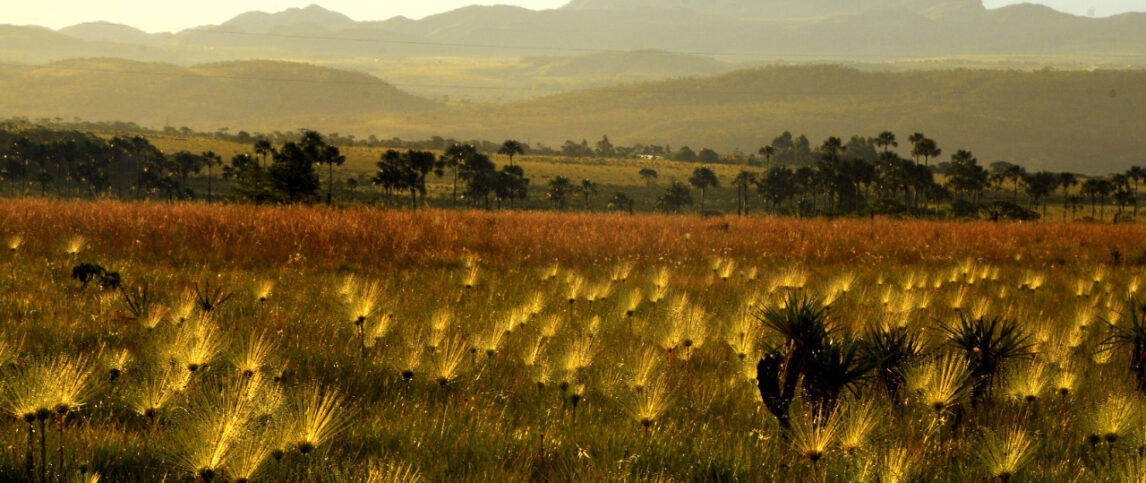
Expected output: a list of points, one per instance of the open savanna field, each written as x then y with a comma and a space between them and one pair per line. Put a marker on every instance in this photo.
250, 343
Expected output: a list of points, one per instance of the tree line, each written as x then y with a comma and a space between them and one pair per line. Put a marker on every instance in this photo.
867, 175
864, 175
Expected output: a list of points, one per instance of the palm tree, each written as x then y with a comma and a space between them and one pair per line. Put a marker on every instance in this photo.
1072, 201
330, 157
1097, 189
742, 182
622, 202
511, 147
186, 163
587, 188
456, 156
558, 191
1015, 173
767, 151
264, 149
886, 140
702, 179
210, 160
1136, 173
928, 149
1066, 181
915, 140
1121, 188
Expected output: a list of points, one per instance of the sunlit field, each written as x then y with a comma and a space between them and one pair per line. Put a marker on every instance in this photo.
194, 342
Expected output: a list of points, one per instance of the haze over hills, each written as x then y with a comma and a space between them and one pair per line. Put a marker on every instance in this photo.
537, 63
1089, 122
206, 96
735, 29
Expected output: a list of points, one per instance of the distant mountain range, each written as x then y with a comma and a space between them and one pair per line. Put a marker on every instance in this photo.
1076, 119
735, 29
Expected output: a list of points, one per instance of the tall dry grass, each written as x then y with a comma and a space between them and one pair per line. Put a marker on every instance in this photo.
324, 238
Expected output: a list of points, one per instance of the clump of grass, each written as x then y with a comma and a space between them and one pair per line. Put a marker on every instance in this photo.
256, 355
264, 290
1005, 452
942, 383
1112, 419
815, 432
393, 473
318, 418
647, 402
196, 344
14, 243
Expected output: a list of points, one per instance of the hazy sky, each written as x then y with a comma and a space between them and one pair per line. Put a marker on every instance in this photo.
166, 15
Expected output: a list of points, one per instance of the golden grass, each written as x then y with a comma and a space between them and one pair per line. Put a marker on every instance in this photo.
322, 238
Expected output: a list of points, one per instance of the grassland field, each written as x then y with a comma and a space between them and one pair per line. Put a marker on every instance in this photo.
317, 344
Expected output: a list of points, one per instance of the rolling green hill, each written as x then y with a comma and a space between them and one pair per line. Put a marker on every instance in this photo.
208, 96
1085, 121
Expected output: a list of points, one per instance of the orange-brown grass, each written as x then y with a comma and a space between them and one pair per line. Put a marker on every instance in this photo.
323, 238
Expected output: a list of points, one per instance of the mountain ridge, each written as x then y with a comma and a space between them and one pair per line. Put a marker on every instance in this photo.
775, 30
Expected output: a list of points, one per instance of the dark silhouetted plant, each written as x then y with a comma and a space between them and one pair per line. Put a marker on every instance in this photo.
207, 299
838, 366
802, 322
889, 351
1130, 333
138, 300
987, 342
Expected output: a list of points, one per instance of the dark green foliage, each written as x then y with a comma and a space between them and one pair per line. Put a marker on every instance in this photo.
838, 366
86, 272
987, 342
558, 191
405, 172
889, 352
886, 206
702, 179
1000, 210
676, 197
802, 322
1130, 333
89, 272
827, 365
292, 175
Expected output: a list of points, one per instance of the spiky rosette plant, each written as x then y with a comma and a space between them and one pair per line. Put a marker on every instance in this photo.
47, 388
987, 342
890, 350
1129, 333
802, 323
208, 299
256, 354
837, 367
